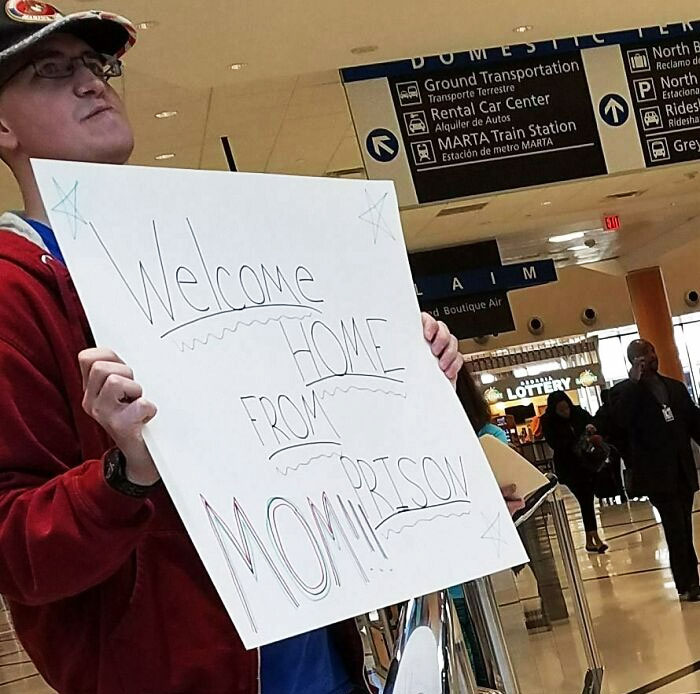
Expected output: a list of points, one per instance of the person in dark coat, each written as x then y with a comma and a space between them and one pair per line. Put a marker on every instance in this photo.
563, 425
660, 419
606, 425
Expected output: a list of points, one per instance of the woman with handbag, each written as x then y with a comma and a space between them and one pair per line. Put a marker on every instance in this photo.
477, 411
579, 454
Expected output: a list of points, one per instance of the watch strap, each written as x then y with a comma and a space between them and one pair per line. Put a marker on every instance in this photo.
115, 476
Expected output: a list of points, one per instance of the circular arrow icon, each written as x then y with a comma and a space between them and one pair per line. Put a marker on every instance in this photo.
614, 109
382, 145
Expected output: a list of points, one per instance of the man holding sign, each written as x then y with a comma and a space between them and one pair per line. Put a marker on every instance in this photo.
92, 551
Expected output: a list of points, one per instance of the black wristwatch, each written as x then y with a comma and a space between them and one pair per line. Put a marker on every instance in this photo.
115, 476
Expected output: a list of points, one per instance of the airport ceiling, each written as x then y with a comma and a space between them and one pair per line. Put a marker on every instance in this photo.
285, 111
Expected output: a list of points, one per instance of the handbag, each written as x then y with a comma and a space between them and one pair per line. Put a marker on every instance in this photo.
593, 457
632, 486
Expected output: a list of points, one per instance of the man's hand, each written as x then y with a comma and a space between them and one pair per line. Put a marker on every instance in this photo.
638, 369
513, 501
115, 400
444, 346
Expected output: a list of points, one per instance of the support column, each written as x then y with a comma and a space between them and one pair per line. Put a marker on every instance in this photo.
652, 314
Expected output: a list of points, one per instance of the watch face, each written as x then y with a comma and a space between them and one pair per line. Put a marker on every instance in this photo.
113, 466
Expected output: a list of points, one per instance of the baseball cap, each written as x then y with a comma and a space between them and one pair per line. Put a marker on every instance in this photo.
24, 23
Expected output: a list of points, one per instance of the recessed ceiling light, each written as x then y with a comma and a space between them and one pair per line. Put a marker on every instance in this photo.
563, 238
582, 247
360, 50
523, 28
238, 66
547, 203
144, 26
626, 194
165, 114
165, 155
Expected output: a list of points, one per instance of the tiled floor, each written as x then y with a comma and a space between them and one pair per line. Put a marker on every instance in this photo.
649, 642
17, 674
685, 685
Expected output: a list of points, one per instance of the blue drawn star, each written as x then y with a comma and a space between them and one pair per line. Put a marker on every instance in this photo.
493, 532
374, 216
68, 205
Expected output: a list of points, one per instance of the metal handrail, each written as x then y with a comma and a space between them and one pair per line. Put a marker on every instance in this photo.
429, 632
580, 602
483, 609
430, 655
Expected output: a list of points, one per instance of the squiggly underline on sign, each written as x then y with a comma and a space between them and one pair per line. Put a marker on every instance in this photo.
191, 345
286, 471
340, 389
425, 520
403, 511
240, 310
302, 445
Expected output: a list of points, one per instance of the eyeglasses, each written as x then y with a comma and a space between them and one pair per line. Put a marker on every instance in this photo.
60, 66
54, 67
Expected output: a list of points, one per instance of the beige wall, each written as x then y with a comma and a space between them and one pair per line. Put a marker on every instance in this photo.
560, 304
681, 268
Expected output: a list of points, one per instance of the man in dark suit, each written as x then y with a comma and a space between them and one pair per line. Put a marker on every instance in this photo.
660, 419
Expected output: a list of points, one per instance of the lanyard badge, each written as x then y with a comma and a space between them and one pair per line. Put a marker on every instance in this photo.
668, 413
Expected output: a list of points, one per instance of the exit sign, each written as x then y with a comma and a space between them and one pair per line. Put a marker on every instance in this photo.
612, 222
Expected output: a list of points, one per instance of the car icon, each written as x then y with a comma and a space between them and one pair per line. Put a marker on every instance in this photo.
651, 119
658, 150
423, 152
416, 124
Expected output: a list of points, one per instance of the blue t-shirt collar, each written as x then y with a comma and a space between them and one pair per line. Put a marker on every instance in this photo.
48, 237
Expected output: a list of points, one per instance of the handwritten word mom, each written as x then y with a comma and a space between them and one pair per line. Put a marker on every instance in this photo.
178, 293
304, 550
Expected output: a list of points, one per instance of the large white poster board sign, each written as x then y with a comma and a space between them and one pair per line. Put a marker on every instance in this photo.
318, 457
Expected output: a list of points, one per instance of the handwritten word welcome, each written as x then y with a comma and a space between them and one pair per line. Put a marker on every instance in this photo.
195, 288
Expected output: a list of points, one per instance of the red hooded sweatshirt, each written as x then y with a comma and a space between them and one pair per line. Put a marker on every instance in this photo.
107, 592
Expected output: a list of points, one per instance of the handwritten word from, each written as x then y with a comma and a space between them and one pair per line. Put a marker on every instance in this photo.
282, 424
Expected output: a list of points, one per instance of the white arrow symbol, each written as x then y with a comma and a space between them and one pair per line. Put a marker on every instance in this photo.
379, 142
616, 108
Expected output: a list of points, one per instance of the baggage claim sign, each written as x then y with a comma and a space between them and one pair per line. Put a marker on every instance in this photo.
467, 286
489, 120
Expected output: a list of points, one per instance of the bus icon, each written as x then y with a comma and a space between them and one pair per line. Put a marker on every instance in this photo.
658, 149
